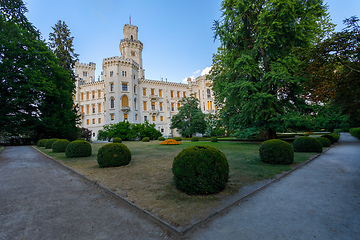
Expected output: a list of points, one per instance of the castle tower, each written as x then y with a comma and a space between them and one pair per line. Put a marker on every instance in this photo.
131, 47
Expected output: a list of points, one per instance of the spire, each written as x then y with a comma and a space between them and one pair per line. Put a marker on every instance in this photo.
130, 20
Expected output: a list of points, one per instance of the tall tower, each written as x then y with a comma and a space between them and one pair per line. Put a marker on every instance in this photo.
131, 47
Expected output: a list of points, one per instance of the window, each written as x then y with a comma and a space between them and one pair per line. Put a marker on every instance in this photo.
123, 73
111, 87
112, 117
162, 130
82, 108
152, 91
136, 117
93, 121
133, 53
172, 107
160, 92
93, 109
179, 105
134, 88
74, 96
99, 120
178, 93
125, 101
172, 93
93, 94
82, 96
184, 94
195, 95
161, 106
153, 118
87, 95
87, 122
131, 37
99, 107
145, 106
111, 73
135, 103
84, 74
152, 106
125, 117
124, 87
161, 118
87, 109
208, 93
112, 103
99, 93
144, 91
145, 118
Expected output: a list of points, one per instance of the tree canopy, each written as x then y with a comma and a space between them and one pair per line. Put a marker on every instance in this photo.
255, 71
190, 119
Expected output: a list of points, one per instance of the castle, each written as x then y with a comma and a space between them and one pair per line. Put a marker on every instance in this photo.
123, 93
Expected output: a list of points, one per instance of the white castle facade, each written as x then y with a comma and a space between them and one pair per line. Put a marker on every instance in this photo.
123, 93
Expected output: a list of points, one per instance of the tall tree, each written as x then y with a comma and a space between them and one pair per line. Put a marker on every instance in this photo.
62, 44
255, 71
190, 119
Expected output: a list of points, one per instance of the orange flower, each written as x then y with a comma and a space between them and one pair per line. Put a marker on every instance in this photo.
170, 142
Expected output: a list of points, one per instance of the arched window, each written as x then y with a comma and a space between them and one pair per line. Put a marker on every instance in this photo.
125, 101
135, 103
112, 103
131, 37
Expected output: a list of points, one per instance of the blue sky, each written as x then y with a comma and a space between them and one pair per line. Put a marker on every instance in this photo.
177, 35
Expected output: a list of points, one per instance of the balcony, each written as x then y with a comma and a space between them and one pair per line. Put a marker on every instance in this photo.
153, 112
125, 109
153, 98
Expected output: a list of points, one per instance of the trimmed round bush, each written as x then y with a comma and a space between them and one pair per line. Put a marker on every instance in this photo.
336, 136
276, 151
194, 139
214, 139
49, 143
330, 137
161, 139
177, 139
117, 140
113, 155
200, 170
307, 144
146, 139
60, 145
41, 142
325, 142
78, 148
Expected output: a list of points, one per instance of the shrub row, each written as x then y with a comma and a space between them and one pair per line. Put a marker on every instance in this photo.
355, 132
307, 144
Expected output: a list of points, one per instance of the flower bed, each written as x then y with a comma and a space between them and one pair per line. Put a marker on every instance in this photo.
170, 142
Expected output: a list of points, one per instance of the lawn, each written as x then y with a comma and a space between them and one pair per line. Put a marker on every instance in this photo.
148, 182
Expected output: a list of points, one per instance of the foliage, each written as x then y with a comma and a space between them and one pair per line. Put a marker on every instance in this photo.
60, 145
214, 139
48, 144
145, 139
128, 132
355, 132
78, 148
307, 144
177, 139
113, 155
85, 134
200, 170
117, 140
190, 119
325, 142
330, 137
255, 71
214, 125
170, 142
36, 91
329, 117
276, 151
161, 139
41, 142
194, 139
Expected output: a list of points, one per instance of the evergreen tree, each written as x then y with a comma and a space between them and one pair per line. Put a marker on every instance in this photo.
255, 72
190, 119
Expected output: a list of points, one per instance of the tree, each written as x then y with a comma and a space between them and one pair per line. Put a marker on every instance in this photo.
255, 71
189, 120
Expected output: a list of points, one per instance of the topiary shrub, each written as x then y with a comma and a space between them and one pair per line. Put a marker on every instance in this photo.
325, 142
49, 143
60, 145
331, 138
276, 151
145, 139
177, 139
41, 142
336, 136
200, 170
214, 139
117, 140
78, 148
307, 144
113, 155
194, 139
161, 139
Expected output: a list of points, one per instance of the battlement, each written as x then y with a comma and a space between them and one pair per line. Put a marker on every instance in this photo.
121, 61
164, 83
89, 66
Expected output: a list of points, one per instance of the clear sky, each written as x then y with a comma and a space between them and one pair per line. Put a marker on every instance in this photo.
177, 35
